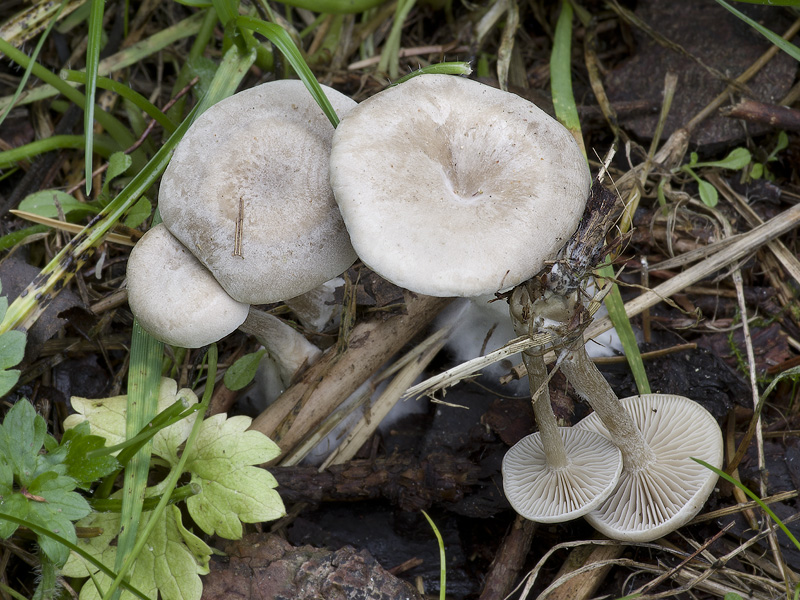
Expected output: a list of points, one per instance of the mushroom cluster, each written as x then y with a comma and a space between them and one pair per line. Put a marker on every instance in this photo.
248, 216
452, 188
446, 187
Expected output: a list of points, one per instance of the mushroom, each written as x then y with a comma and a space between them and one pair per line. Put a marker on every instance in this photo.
558, 473
660, 488
453, 188
247, 192
174, 297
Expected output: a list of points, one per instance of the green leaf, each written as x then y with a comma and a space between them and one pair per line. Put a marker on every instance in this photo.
43, 203
8, 379
15, 505
138, 213
233, 490
79, 442
708, 193
107, 418
777, 40
21, 438
242, 372
167, 565
105, 415
738, 159
756, 171
118, 163
12, 348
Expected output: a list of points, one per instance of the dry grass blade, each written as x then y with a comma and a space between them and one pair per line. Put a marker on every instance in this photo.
115, 238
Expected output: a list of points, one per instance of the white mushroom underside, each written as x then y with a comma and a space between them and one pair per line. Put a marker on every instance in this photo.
540, 493
653, 500
452, 188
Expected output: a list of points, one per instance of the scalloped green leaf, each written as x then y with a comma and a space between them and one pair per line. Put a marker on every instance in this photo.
233, 489
79, 442
167, 565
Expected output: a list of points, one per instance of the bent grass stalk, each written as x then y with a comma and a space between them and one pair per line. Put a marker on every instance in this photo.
442, 563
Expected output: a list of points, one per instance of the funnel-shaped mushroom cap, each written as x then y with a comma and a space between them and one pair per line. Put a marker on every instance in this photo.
174, 297
247, 192
546, 495
654, 499
453, 188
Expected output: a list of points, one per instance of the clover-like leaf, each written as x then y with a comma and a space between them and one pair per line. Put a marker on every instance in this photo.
233, 489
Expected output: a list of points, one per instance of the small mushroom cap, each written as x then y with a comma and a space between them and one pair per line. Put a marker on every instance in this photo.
449, 187
546, 495
653, 500
259, 159
174, 297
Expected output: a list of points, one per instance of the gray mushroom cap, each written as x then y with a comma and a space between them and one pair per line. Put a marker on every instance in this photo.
661, 496
174, 297
256, 165
546, 495
453, 188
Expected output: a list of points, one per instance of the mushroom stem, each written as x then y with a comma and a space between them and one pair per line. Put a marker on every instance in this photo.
556, 454
521, 309
590, 384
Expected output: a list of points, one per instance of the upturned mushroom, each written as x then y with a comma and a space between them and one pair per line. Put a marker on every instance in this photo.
247, 192
453, 188
558, 473
660, 488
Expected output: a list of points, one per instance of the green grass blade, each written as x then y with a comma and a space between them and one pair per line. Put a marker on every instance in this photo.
172, 479
77, 549
144, 377
773, 37
442, 563
9, 158
567, 114
92, 61
111, 124
335, 7
561, 75
443, 68
391, 47
25, 76
126, 92
755, 499
124, 58
278, 36
622, 325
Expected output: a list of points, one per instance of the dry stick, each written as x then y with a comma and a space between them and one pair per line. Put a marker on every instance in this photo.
369, 423
779, 117
762, 467
330, 381
586, 584
509, 560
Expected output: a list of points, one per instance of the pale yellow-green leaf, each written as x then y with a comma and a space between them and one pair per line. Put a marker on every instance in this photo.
232, 489
167, 441
167, 565
107, 418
